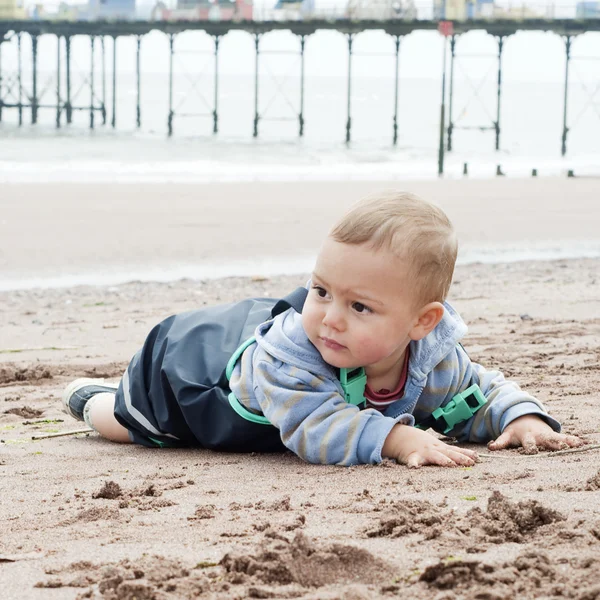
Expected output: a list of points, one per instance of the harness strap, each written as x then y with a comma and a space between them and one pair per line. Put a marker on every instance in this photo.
461, 408
294, 300
353, 381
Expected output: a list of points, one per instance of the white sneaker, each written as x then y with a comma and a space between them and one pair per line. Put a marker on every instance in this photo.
78, 392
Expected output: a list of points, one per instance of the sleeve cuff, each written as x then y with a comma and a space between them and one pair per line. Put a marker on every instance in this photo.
527, 408
405, 419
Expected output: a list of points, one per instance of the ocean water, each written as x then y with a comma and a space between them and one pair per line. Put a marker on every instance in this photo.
531, 114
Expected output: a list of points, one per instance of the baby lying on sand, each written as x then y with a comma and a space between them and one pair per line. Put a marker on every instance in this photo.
350, 370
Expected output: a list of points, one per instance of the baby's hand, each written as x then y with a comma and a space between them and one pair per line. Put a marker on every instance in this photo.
531, 432
415, 448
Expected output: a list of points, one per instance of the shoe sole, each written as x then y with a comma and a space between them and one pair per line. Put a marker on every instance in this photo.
76, 385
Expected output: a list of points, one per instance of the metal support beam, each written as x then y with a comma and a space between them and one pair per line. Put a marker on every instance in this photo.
442, 114
103, 45
34, 97
349, 114
58, 100
68, 107
170, 118
216, 98
114, 84
450, 121
497, 122
138, 110
92, 48
1, 100
565, 105
256, 116
301, 114
20, 78
396, 82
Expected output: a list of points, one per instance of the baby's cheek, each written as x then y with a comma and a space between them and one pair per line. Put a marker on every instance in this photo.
369, 348
310, 323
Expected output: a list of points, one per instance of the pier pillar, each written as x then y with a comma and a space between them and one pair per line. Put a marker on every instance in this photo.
566, 96
301, 113
349, 107
451, 94
114, 84
103, 47
68, 107
396, 82
442, 114
170, 118
497, 122
256, 115
138, 111
1, 100
216, 97
34, 97
58, 107
19, 79
92, 48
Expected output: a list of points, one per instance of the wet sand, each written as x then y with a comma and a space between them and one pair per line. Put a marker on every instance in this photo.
109, 231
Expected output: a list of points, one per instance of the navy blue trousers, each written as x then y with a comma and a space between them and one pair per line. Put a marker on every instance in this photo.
175, 392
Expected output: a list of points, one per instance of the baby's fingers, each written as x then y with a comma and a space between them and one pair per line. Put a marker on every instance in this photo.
470, 453
432, 457
505, 440
448, 458
558, 441
573, 441
529, 444
463, 457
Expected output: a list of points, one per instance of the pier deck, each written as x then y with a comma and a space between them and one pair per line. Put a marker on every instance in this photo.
502, 27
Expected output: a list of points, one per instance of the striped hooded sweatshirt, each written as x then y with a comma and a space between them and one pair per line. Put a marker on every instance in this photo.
283, 377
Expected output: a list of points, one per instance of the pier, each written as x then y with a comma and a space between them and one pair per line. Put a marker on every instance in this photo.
28, 100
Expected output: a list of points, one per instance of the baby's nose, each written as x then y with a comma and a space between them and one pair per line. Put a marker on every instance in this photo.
334, 318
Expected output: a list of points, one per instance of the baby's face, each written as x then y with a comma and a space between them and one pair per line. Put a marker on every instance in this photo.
359, 310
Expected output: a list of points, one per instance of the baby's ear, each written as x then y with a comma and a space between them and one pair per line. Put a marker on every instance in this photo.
428, 318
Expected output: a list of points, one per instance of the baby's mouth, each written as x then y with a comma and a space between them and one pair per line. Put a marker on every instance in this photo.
332, 344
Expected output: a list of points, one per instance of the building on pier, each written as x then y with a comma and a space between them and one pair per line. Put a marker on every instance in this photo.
588, 10
467, 10
381, 10
11, 9
94, 10
293, 10
462, 10
205, 10
111, 10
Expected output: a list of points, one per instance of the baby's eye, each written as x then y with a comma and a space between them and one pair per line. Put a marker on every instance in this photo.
359, 307
321, 292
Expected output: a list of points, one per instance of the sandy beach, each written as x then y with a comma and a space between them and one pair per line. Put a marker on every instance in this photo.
83, 518
69, 233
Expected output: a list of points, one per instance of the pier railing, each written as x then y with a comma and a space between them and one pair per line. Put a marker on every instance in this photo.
20, 91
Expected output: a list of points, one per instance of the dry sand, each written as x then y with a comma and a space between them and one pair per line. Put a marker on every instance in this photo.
83, 518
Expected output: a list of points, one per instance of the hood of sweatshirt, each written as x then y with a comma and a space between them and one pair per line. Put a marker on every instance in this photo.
285, 339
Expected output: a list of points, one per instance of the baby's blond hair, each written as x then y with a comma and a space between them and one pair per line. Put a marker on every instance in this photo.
412, 229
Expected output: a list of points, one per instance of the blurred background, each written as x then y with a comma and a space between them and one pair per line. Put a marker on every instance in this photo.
532, 109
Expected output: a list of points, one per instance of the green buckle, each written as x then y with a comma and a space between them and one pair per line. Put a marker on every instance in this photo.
461, 408
353, 383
